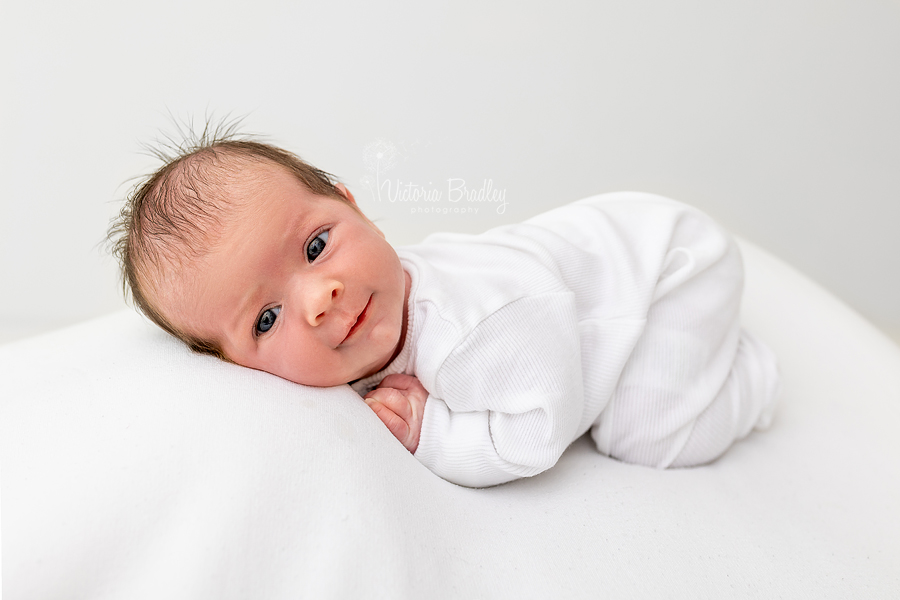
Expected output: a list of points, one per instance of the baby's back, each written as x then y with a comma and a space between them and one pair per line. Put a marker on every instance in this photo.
648, 292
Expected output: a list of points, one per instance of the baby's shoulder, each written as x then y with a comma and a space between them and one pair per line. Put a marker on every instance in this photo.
466, 278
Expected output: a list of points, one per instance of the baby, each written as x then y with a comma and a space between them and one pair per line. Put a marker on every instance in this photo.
485, 355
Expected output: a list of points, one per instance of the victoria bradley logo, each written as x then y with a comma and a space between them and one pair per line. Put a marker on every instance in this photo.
451, 196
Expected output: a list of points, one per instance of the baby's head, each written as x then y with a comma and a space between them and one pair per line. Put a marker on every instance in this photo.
243, 251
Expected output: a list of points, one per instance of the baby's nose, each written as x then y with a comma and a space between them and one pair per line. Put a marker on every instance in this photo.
322, 299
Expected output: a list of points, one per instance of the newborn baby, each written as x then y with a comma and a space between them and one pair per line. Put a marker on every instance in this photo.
484, 355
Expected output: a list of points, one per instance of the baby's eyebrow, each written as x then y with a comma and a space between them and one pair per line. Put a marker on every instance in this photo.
245, 311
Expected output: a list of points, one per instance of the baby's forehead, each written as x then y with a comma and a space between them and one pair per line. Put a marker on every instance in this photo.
233, 187
252, 189
199, 198
244, 173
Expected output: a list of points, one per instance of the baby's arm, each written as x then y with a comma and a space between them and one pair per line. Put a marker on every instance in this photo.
399, 401
508, 399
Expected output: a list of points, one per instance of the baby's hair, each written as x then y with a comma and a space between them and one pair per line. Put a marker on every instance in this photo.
171, 213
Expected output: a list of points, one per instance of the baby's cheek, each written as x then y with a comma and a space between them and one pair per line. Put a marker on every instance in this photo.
387, 332
289, 364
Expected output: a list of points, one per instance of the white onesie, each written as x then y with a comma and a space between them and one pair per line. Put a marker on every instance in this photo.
617, 313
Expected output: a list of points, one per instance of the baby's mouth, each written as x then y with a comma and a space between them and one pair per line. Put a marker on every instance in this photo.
359, 320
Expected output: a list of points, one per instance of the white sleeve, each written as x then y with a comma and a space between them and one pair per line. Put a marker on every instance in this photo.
508, 400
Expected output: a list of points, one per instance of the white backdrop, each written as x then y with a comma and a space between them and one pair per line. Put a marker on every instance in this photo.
779, 118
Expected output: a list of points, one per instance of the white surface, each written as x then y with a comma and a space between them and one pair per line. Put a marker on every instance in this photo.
133, 469
777, 118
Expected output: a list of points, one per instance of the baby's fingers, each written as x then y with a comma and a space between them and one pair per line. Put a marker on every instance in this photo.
412, 390
394, 399
401, 382
397, 426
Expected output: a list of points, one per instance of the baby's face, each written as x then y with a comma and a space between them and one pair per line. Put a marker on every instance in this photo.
301, 286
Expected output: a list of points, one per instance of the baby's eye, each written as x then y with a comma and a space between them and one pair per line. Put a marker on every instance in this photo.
267, 319
316, 246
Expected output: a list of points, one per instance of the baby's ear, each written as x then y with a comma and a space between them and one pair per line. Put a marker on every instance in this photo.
342, 189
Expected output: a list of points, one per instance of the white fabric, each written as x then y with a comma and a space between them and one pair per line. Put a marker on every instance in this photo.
133, 469
618, 313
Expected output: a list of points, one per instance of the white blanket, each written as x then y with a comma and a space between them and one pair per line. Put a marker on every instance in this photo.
133, 469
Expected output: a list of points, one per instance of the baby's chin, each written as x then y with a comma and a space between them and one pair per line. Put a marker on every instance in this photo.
322, 382
325, 380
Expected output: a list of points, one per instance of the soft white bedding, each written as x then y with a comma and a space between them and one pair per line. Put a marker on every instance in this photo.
134, 469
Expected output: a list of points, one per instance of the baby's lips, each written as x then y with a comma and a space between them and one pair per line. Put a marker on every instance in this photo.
360, 319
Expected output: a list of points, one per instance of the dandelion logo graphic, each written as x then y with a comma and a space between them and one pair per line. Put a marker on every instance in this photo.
379, 157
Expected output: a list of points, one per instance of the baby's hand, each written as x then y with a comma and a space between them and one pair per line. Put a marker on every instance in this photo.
399, 401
